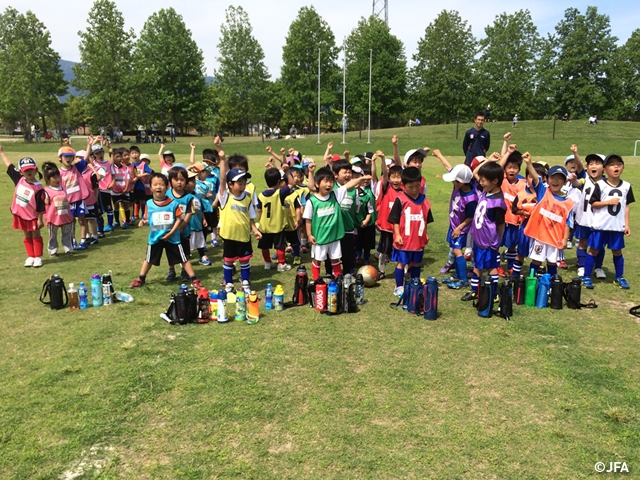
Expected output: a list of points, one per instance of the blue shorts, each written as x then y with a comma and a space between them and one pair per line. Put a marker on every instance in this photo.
581, 232
510, 236
601, 238
78, 209
485, 258
405, 257
523, 243
460, 242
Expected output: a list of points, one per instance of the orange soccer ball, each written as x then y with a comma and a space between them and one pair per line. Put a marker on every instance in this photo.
370, 275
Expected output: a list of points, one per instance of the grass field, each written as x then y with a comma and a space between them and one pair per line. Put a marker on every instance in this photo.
115, 392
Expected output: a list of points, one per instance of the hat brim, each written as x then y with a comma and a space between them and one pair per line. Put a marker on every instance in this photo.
448, 177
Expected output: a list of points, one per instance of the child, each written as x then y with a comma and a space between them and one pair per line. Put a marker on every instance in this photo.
365, 219
410, 214
142, 187
413, 158
210, 159
487, 226
197, 222
237, 219
388, 188
462, 207
28, 206
610, 201
104, 174
294, 205
167, 159
131, 173
57, 214
119, 187
178, 178
550, 221
164, 219
91, 202
77, 190
325, 221
272, 217
342, 171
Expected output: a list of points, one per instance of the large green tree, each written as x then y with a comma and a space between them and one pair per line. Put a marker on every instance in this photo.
170, 67
441, 80
628, 72
30, 75
506, 73
389, 72
308, 35
105, 72
242, 77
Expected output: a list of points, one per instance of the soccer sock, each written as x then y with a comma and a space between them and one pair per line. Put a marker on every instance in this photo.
266, 255
110, 219
474, 283
517, 267
561, 256
511, 258
600, 259
589, 262
533, 267
495, 278
366, 255
100, 223
127, 215
415, 272
461, 268
398, 274
228, 273
281, 259
580, 254
452, 257
315, 270
142, 277
28, 246
382, 262
116, 215
201, 252
245, 271
214, 235
38, 245
336, 267
136, 210
552, 269
498, 258
296, 250
618, 262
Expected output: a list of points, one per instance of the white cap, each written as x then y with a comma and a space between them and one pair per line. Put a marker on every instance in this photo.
145, 156
356, 169
388, 161
461, 173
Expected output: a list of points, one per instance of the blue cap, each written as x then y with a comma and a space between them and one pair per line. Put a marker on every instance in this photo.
558, 170
236, 174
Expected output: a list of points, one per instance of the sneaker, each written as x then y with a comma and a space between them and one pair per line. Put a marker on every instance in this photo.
53, 255
37, 262
115, 225
569, 245
500, 272
284, 267
297, 260
459, 285
205, 261
587, 283
448, 280
268, 266
196, 284
600, 273
184, 276
562, 264
469, 296
581, 271
108, 228
229, 288
304, 249
81, 246
68, 252
29, 262
125, 225
101, 235
398, 291
289, 249
92, 241
619, 281
171, 276
214, 243
446, 268
138, 282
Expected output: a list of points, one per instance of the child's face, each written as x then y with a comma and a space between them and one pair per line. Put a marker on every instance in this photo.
29, 174
135, 156
488, 185
395, 180
325, 186
415, 162
412, 189
571, 166
511, 170
158, 188
530, 181
55, 181
202, 175
614, 168
169, 159
595, 169
366, 183
236, 188
125, 158
556, 182
66, 161
458, 185
298, 176
178, 183
190, 186
343, 176
98, 157
117, 159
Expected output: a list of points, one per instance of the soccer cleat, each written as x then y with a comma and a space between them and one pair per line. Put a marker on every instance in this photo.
569, 245
448, 280
196, 284
268, 266
184, 276
459, 285
116, 225
619, 281
469, 296
101, 235
587, 283
562, 264
108, 228
29, 262
446, 268
138, 282
600, 273
125, 225
171, 276
37, 262
581, 271
81, 246
214, 243
297, 260
274, 256
92, 241
398, 291
500, 271
229, 288
284, 267
205, 261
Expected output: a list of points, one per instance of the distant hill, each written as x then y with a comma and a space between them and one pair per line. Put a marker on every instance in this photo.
67, 69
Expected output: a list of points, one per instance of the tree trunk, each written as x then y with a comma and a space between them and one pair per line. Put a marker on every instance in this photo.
44, 125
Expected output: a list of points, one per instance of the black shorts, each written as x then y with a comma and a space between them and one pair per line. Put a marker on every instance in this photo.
175, 253
386, 242
186, 245
366, 239
347, 244
212, 221
121, 198
233, 250
106, 202
292, 237
275, 240
140, 196
93, 211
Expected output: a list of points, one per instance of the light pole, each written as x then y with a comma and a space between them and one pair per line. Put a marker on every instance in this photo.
344, 92
370, 70
318, 97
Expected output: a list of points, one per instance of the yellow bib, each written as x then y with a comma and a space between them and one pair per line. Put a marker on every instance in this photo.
235, 223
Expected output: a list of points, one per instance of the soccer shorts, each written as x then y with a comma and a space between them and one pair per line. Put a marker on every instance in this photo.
406, 257
485, 258
78, 209
510, 236
233, 250
601, 238
175, 253
581, 232
541, 252
332, 251
460, 242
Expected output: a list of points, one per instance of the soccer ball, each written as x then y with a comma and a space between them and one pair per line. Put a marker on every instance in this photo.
369, 274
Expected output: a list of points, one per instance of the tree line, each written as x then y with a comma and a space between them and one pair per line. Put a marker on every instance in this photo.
158, 75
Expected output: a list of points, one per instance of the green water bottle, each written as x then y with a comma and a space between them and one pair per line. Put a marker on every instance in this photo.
530, 291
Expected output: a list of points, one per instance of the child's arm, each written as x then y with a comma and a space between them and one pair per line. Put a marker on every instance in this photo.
160, 157
576, 157
311, 183
176, 225
374, 171
396, 234
222, 187
255, 230
567, 234
346, 155
505, 156
505, 143
192, 156
444, 161
290, 181
355, 182
627, 228
396, 152
274, 154
458, 230
311, 238
366, 220
5, 159
526, 157
327, 152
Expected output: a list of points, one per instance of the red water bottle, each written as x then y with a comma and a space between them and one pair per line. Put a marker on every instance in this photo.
321, 296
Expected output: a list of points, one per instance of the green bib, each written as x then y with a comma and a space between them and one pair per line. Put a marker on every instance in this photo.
327, 224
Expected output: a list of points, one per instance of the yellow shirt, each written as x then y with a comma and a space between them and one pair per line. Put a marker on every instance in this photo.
272, 217
235, 217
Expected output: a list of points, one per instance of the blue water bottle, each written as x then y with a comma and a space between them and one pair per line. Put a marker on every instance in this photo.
83, 296
544, 285
96, 291
431, 299
268, 297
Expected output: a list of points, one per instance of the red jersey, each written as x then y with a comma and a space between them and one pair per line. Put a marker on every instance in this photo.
413, 221
384, 203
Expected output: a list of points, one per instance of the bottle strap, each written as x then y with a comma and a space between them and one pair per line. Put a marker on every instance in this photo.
45, 292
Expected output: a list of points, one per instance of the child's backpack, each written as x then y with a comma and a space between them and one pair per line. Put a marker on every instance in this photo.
484, 303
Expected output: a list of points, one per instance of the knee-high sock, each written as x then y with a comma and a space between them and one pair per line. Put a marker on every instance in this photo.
28, 246
100, 222
495, 278
461, 268
517, 267
281, 257
552, 268
600, 259
315, 270
415, 272
474, 282
245, 271
110, 219
228, 273
580, 254
589, 262
511, 257
38, 246
618, 262
266, 255
398, 274
336, 267
296, 250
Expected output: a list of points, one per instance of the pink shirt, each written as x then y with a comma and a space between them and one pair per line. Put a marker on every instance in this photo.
74, 184
57, 211
24, 199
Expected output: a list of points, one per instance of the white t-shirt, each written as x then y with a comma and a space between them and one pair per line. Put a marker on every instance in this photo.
610, 218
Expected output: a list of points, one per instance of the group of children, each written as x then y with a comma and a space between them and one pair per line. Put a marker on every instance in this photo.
337, 209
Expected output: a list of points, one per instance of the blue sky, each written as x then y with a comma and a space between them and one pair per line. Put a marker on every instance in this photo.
271, 19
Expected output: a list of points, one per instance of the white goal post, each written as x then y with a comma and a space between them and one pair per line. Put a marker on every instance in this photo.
635, 148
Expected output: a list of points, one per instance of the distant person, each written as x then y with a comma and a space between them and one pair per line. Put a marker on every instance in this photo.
293, 131
37, 133
276, 132
487, 113
515, 121
172, 134
417, 122
267, 132
476, 140
345, 124
305, 131
565, 117
593, 120
154, 129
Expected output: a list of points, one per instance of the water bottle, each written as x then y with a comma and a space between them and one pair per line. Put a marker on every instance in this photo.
506, 299
222, 306
321, 295
204, 306
182, 305
332, 298
530, 290
213, 301
74, 303
359, 289
278, 298
107, 294
96, 291
519, 289
573, 291
268, 297
83, 296
253, 308
123, 297
544, 285
431, 299
557, 292
241, 307
246, 287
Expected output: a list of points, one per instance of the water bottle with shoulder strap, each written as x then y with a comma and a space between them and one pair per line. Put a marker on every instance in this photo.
56, 291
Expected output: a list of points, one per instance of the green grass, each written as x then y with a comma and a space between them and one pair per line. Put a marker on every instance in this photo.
118, 393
